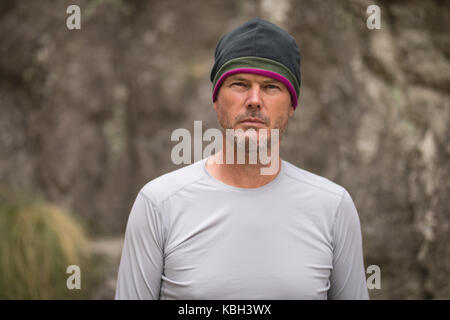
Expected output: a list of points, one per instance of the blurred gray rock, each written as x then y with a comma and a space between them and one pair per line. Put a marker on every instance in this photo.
86, 115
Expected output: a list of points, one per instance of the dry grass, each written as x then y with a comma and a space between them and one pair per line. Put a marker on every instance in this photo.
38, 241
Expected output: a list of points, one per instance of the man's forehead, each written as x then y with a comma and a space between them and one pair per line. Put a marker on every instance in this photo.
250, 77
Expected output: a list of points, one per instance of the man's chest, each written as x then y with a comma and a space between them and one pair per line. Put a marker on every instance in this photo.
247, 251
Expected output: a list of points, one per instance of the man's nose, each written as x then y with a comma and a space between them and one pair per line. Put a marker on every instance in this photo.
254, 97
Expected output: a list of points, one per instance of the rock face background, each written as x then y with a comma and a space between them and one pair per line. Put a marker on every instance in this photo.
86, 115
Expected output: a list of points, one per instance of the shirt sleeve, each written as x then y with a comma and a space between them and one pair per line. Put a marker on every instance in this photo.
141, 263
348, 278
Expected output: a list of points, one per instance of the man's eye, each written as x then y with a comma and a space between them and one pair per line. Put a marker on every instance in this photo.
238, 84
272, 86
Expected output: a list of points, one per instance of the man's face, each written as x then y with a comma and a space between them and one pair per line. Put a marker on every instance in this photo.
253, 101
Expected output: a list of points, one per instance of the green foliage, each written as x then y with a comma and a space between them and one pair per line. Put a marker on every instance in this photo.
38, 241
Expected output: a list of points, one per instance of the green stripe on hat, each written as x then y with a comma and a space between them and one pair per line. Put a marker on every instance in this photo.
258, 63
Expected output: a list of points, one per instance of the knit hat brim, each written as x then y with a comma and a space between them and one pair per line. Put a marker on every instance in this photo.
260, 66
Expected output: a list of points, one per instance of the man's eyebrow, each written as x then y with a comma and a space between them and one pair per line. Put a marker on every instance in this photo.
271, 81
238, 78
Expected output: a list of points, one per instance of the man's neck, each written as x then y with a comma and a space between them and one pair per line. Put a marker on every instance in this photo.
239, 175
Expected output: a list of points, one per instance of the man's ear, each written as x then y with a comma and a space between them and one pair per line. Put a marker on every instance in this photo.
215, 105
291, 110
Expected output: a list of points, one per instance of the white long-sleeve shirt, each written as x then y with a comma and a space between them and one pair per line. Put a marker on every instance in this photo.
190, 236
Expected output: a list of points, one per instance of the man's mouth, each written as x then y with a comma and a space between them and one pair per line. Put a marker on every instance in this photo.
252, 121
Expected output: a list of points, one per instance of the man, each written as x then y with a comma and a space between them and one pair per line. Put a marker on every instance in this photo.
221, 230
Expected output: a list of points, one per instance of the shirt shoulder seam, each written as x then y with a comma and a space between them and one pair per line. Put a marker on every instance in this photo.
181, 188
313, 185
158, 213
335, 216
172, 194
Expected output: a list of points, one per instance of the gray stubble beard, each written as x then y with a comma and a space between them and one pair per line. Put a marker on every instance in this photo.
248, 141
